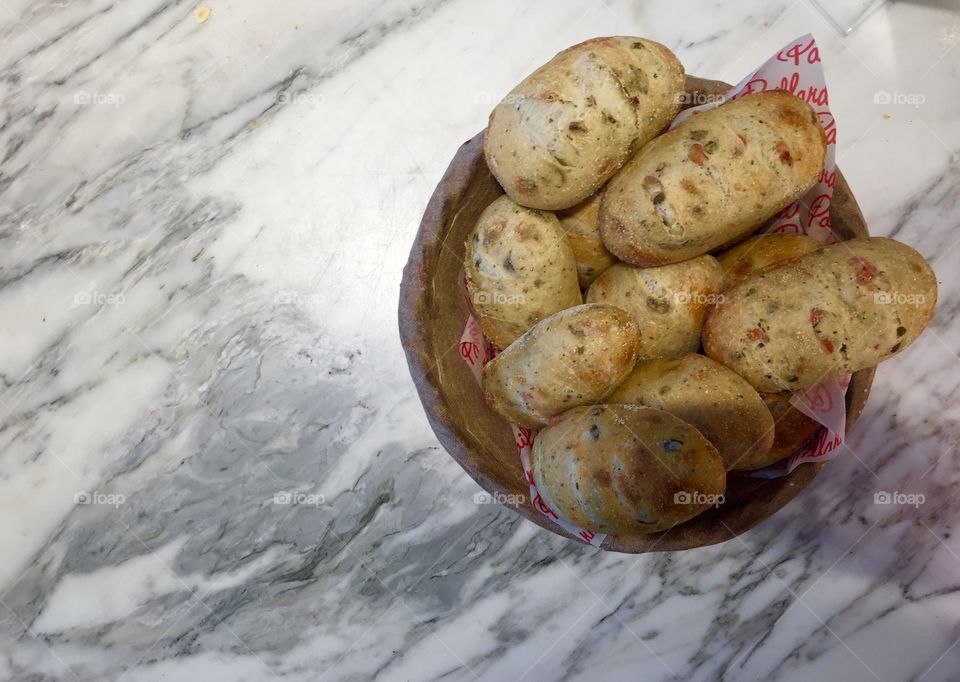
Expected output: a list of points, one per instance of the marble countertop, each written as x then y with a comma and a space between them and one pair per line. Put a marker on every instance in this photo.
213, 463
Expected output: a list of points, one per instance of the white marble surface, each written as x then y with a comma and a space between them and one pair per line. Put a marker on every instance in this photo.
202, 229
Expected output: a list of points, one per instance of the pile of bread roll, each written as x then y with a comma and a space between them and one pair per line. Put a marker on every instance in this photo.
641, 327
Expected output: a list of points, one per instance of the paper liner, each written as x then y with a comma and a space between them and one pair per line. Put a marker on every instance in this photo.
797, 69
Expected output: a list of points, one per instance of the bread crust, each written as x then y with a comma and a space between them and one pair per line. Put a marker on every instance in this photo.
763, 251
709, 396
792, 428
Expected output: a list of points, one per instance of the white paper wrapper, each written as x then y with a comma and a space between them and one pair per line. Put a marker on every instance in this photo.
797, 69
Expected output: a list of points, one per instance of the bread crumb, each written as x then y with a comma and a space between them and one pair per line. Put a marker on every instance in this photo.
886, 115
201, 13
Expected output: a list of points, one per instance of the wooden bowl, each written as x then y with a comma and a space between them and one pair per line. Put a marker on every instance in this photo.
432, 315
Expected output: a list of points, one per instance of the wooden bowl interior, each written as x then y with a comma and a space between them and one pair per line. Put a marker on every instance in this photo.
432, 315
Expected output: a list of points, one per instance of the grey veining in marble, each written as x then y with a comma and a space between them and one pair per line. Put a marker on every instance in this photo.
213, 464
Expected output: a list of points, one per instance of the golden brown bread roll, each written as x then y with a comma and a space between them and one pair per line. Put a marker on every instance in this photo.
834, 311
574, 357
715, 177
763, 251
583, 233
568, 126
668, 302
519, 269
624, 469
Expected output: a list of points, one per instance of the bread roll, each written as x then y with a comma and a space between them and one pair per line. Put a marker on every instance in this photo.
624, 469
574, 357
763, 251
668, 302
568, 126
519, 269
583, 233
834, 311
714, 178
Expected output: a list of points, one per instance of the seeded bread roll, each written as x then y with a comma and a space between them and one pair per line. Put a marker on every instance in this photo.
716, 177
574, 357
792, 428
668, 303
519, 269
834, 311
717, 402
624, 469
763, 251
583, 233
568, 126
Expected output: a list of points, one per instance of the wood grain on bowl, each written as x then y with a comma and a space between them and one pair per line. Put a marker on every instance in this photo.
432, 315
